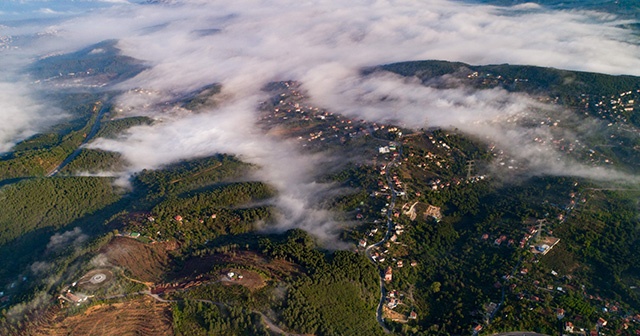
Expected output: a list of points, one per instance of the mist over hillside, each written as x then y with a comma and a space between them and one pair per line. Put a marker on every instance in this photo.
294, 108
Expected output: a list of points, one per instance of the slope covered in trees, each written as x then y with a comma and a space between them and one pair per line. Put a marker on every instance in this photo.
51, 202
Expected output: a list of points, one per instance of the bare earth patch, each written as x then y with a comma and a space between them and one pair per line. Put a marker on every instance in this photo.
145, 262
95, 279
393, 315
142, 316
276, 268
250, 279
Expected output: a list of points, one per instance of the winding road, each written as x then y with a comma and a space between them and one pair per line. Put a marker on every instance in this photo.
392, 204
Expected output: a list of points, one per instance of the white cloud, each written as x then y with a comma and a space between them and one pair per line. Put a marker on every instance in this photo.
324, 44
65, 239
20, 115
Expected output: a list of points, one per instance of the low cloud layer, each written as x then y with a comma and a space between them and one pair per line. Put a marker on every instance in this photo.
65, 239
21, 116
232, 129
510, 121
324, 45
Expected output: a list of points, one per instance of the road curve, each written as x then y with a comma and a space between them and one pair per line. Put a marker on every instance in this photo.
392, 204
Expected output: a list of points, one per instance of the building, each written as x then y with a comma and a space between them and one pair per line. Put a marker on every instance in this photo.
601, 322
545, 245
568, 327
388, 274
433, 211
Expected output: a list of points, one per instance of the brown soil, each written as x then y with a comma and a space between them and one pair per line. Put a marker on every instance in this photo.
250, 279
393, 315
142, 316
88, 281
145, 262
276, 267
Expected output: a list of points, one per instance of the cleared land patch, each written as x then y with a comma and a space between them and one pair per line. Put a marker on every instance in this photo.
142, 316
145, 262
95, 279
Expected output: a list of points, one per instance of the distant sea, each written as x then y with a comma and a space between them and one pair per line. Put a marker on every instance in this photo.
15, 12
624, 8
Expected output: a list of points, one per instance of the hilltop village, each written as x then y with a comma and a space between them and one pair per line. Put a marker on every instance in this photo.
441, 233
413, 169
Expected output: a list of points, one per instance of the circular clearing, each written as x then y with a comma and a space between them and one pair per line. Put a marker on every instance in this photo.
98, 278
95, 279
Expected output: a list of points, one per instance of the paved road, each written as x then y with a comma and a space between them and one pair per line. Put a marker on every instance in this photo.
392, 204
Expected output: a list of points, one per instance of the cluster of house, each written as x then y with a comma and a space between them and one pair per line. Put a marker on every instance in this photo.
614, 107
498, 241
387, 149
288, 107
393, 299
541, 246
569, 327
76, 298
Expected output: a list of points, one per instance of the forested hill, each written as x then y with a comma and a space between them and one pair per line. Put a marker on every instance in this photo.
101, 62
615, 100
524, 78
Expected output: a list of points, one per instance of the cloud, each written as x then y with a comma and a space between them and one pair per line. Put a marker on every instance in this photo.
513, 122
17, 312
21, 116
49, 11
68, 238
324, 44
282, 163
40, 267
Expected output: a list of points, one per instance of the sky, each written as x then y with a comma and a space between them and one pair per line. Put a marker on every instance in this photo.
323, 44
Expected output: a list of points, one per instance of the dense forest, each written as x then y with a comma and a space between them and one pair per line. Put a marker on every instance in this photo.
94, 161
114, 127
51, 202
199, 318
338, 294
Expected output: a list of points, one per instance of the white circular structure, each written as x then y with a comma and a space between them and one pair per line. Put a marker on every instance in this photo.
98, 278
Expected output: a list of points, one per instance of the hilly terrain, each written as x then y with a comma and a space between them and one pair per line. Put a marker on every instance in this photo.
443, 232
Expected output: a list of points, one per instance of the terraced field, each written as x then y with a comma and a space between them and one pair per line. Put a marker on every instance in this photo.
142, 316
